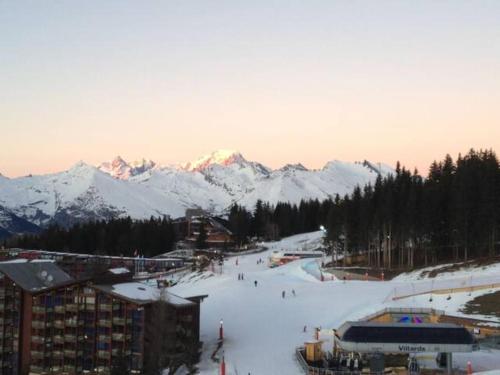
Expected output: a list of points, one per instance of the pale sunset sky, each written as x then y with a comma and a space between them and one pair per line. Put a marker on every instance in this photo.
280, 81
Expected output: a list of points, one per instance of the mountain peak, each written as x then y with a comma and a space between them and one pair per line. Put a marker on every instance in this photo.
293, 167
120, 169
220, 157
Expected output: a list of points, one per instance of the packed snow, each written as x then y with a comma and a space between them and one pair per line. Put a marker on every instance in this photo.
262, 329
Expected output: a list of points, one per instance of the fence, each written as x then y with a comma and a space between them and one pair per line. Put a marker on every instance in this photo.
444, 286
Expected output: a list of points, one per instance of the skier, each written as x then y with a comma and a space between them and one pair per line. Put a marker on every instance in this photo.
293, 292
242, 277
283, 294
305, 328
255, 283
239, 276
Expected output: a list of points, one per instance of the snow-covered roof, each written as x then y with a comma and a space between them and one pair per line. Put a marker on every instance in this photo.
119, 270
143, 294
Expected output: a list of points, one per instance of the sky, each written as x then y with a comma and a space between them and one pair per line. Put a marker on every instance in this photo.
280, 81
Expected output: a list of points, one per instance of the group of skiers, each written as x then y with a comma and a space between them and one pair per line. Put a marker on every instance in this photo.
241, 276
260, 261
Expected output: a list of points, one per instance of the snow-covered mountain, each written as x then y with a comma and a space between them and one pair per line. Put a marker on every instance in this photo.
11, 224
143, 189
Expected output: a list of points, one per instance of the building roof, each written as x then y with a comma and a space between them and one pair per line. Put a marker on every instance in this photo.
35, 277
142, 294
435, 333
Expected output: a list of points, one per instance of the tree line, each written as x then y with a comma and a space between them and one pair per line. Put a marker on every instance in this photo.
120, 237
404, 220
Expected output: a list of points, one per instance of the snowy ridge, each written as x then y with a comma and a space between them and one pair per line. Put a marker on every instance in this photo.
144, 188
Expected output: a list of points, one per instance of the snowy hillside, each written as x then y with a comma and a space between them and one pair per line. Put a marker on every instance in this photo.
262, 329
141, 189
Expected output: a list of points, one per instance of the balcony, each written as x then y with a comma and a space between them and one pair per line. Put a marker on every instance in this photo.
105, 307
68, 353
69, 368
58, 339
70, 338
59, 324
36, 369
118, 336
73, 307
38, 324
104, 338
59, 309
103, 354
38, 339
73, 323
119, 321
90, 307
37, 354
39, 309
104, 322
58, 354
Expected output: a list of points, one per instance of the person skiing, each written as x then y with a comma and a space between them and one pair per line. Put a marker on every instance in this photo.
305, 328
293, 292
283, 294
255, 283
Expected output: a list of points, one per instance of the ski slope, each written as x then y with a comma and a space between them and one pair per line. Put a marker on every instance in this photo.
262, 329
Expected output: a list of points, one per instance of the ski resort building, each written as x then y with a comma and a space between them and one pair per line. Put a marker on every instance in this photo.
218, 235
51, 323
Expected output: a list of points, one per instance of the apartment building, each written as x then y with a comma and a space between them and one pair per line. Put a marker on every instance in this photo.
53, 324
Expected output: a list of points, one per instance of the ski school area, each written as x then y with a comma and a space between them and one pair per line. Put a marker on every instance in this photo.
259, 320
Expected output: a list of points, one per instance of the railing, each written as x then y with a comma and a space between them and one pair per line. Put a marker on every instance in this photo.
36, 369
104, 338
39, 309
119, 321
103, 354
70, 338
73, 322
118, 336
104, 322
36, 354
58, 339
38, 339
105, 307
310, 370
37, 324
